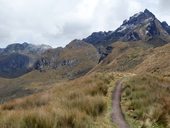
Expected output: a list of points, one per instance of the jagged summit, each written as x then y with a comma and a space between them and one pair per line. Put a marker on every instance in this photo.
141, 26
147, 12
140, 17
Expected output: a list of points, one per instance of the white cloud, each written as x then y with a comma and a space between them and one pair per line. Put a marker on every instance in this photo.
56, 22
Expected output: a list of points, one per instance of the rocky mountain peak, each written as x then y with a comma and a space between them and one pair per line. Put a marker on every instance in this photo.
148, 13
139, 18
136, 20
141, 26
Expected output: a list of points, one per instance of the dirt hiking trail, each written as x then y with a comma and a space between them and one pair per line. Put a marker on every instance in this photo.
117, 115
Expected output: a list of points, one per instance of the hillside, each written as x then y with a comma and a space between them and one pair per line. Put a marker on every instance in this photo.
81, 103
30, 83
156, 62
124, 56
76, 59
136, 57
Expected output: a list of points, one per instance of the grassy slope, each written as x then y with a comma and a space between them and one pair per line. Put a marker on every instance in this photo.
146, 101
157, 62
146, 96
82, 57
30, 83
81, 103
124, 56
138, 58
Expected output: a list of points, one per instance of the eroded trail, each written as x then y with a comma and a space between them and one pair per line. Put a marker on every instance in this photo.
117, 115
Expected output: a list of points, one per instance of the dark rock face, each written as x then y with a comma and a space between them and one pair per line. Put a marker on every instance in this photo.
97, 37
104, 54
18, 59
132, 36
139, 18
166, 27
14, 65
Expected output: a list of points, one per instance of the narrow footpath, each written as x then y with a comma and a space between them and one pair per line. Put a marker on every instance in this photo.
117, 115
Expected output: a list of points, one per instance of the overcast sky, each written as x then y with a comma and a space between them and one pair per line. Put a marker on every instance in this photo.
57, 22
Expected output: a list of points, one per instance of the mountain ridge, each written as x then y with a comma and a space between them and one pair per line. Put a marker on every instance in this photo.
141, 26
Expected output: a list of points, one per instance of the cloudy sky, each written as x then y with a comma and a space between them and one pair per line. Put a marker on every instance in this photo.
57, 22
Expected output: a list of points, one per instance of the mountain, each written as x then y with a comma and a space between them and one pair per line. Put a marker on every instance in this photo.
24, 48
76, 59
143, 26
18, 59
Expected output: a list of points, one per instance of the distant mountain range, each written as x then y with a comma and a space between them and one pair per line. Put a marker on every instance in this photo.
80, 56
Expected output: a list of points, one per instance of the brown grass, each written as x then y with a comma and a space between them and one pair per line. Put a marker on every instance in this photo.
80, 103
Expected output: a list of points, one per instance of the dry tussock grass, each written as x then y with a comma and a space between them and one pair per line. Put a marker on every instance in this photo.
74, 104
